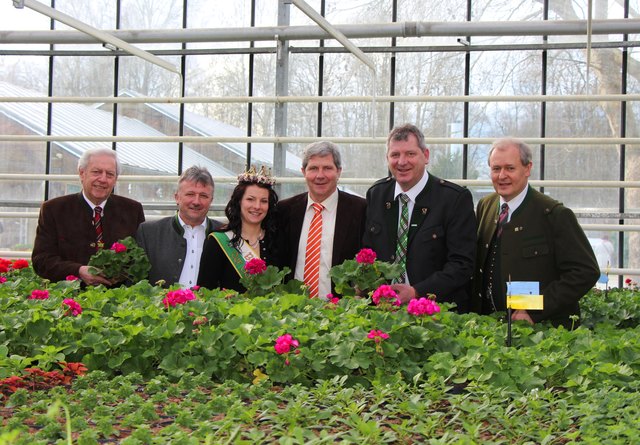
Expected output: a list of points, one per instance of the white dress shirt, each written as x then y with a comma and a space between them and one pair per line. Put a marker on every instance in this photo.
326, 243
195, 240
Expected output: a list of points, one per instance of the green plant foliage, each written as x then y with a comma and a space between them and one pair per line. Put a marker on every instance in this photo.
226, 336
209, 369
118, 264
352, 277
330, 411
265, 282
614, 307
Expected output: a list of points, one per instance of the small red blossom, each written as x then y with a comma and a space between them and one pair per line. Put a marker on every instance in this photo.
20, 264
195, 288
118, 248
366, 256
200, 320
74, 308
284, 343
39, 294
180, 296
71, 278
377, 335
422, 306
2, 280
385, 295
255, 266
4, 265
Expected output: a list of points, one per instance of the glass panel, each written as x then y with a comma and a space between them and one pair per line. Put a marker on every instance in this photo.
151, 14
100, 14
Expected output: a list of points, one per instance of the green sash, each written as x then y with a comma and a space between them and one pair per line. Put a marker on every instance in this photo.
234, 257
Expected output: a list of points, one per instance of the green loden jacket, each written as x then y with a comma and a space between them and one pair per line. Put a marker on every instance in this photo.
542, 242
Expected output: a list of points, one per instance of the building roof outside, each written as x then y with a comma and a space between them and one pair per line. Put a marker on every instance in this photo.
72, 119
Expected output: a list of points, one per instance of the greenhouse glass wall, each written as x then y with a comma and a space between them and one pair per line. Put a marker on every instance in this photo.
229, 84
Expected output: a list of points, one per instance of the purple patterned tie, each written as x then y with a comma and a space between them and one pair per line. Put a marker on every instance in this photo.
502, 219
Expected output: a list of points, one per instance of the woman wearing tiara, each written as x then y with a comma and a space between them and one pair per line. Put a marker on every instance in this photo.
250, 233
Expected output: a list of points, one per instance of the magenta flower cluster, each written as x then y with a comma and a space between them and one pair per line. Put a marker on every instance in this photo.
39, 294
74, 308
284, 343
72, 278
255, 266
118, 248
2, 280
377, 335
366, 256
180, 296
385, 295
422, 306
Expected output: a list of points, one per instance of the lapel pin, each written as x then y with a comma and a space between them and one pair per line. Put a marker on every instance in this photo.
387, 205
424, 210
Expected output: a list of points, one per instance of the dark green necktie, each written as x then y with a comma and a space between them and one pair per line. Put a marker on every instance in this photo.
403, 236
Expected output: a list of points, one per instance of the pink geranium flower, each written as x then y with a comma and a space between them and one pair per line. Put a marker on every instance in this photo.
74, 308
72, 278
366, 256
180, 296
284, 343
20, 264
422, 306
255, 266
38, 294
377, 335
384, 295
118, 248
2, 280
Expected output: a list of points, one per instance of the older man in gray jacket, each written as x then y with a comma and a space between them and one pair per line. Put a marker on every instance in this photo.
174, 244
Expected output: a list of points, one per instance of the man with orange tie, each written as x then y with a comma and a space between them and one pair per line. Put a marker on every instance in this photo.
321, 228
524, 235
423, 223
71, 228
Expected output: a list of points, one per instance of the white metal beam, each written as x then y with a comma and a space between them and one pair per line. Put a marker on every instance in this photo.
102, 36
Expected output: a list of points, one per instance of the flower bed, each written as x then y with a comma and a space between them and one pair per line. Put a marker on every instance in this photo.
283, 365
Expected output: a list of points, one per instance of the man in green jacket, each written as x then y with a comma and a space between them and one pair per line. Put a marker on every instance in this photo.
524, 235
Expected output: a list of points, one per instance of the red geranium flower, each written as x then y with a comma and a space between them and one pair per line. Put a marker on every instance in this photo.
20, 264
74, 307
366, 256
39, 294
255, 266
180, 296
119, 247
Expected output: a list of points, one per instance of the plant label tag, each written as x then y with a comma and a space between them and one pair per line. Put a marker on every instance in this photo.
524, 295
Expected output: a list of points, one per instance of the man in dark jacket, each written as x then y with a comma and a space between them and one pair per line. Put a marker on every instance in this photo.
422, 222
174, 244
72, 228
524, 235
342, 214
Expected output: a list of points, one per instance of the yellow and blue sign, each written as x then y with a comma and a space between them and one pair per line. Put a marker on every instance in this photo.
524, 295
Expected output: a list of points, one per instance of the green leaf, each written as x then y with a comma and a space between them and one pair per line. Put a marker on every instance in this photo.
243, 309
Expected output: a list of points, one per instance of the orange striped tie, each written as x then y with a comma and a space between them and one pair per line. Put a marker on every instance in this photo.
312, 256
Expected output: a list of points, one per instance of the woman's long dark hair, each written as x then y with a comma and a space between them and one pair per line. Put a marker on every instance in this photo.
232, 211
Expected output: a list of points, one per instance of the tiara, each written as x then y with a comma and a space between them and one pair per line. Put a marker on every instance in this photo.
260, 177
